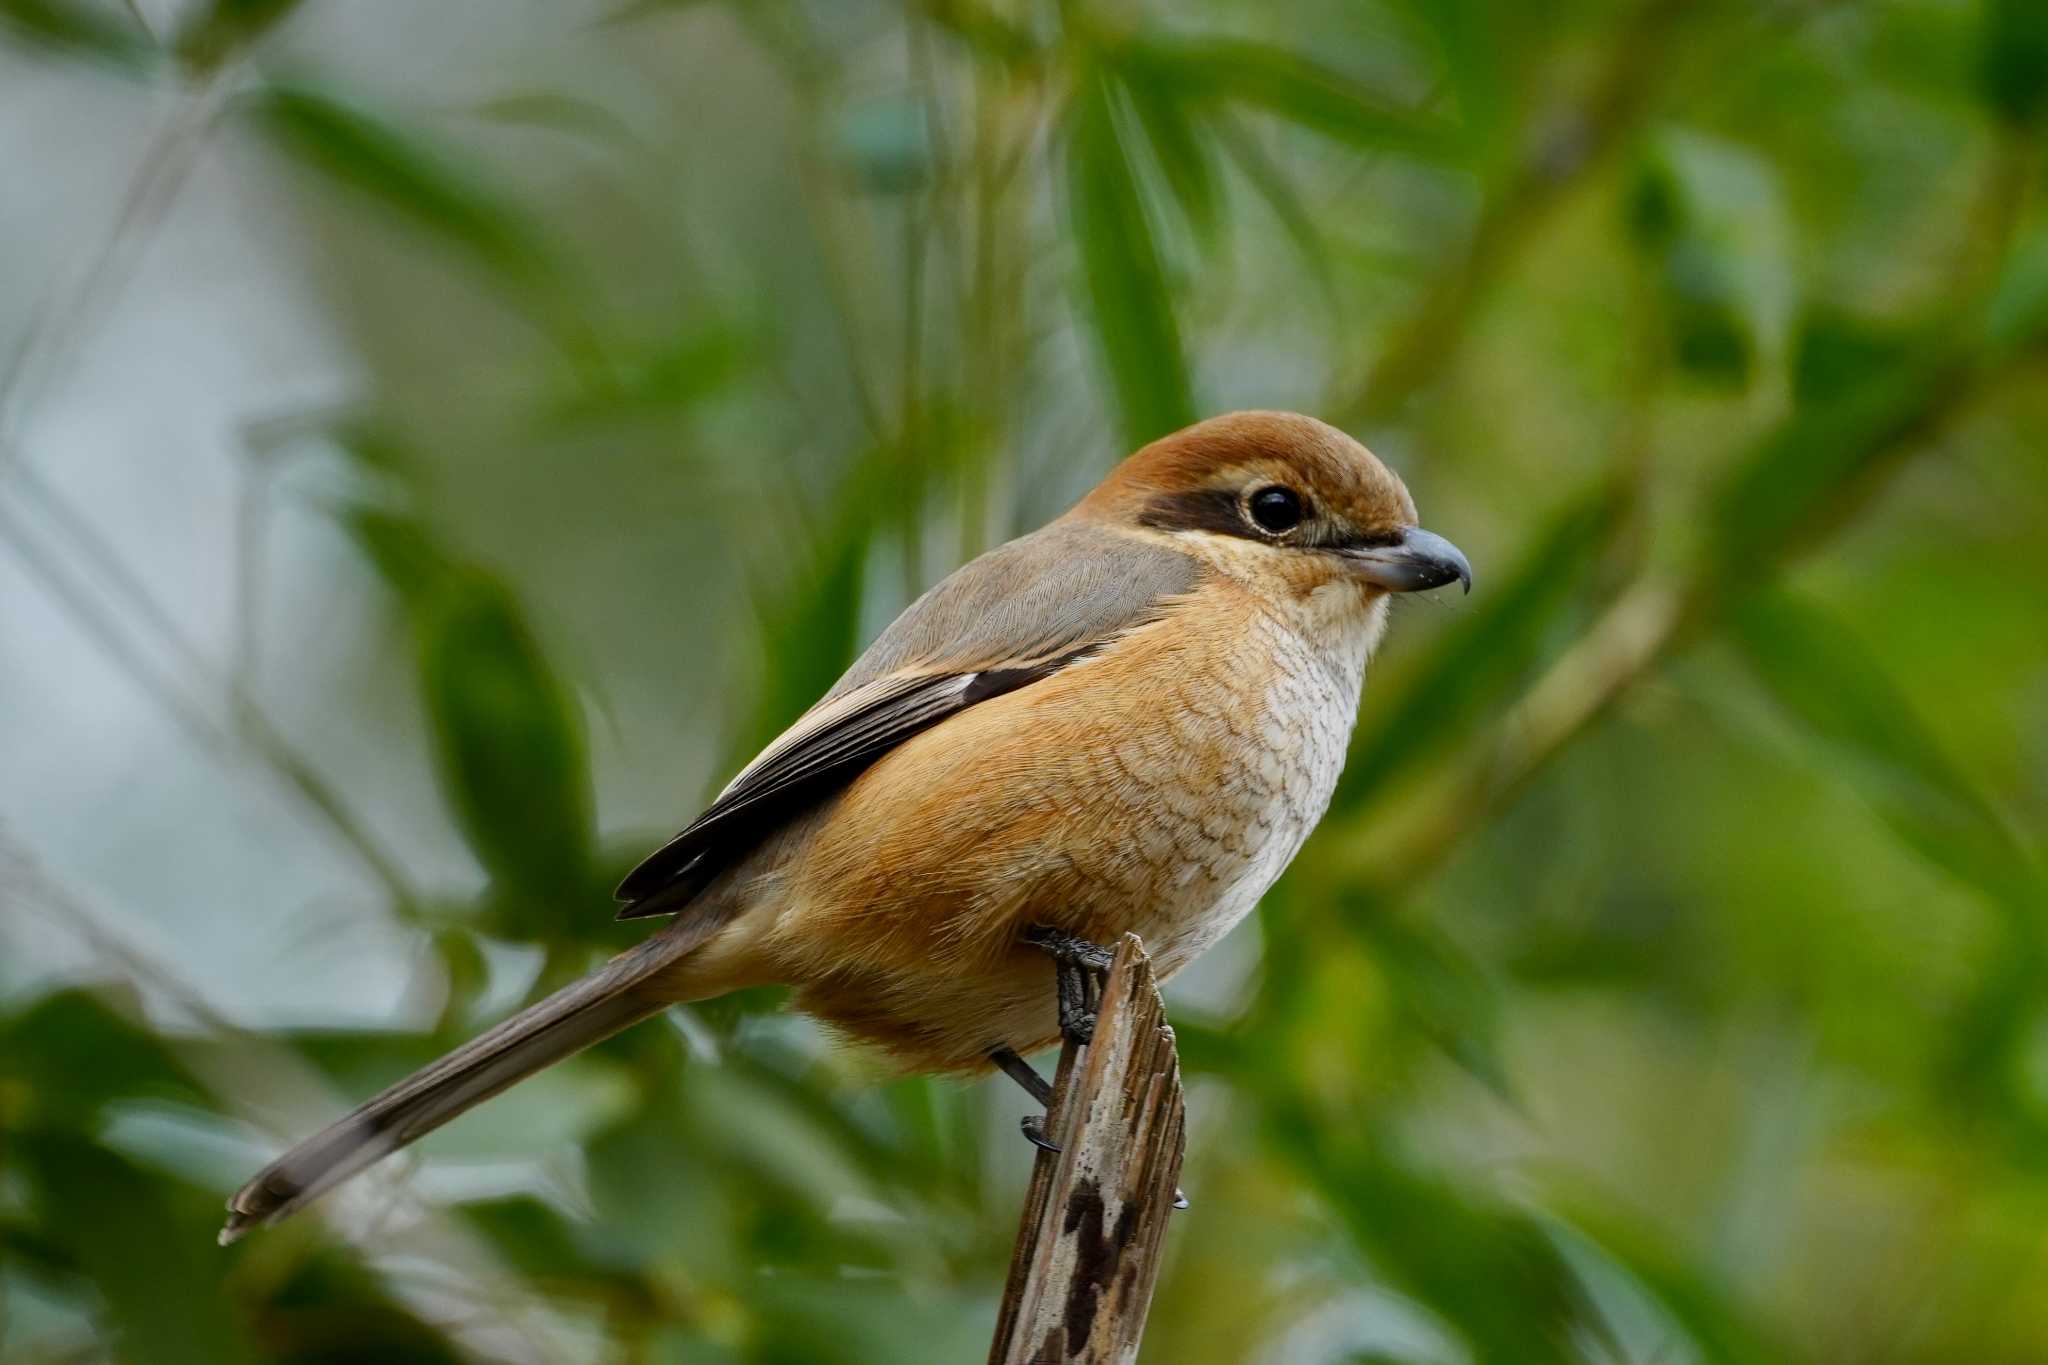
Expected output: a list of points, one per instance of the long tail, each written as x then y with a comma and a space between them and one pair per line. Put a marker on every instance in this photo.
580, 1014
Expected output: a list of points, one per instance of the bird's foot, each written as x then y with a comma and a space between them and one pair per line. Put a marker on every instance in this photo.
1080, 970
1062, 946
1025, 1075
1033, 1128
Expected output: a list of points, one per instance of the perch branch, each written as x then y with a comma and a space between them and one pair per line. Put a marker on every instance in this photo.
1089, 1246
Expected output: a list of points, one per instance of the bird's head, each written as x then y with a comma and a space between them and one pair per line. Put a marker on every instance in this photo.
1278, 494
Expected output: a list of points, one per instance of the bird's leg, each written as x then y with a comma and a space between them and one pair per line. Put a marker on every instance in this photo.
1033, 1125
1079, 968
1077, 1008
1035, 1085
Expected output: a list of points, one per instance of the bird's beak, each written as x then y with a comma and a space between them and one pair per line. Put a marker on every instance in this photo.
1419, 559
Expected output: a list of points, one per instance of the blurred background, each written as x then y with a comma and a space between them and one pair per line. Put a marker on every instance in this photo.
438, 444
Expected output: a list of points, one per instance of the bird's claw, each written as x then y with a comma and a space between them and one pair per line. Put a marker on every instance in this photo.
1080, 970
1033, 1128
1062, 946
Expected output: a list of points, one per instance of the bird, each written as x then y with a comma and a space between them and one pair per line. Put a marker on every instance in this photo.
1126, 721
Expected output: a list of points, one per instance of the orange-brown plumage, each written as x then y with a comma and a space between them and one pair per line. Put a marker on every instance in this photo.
1284, 445
1126, 721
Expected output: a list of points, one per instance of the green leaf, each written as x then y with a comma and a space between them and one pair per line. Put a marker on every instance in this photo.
1442, 992
1713, 216
1487, 655
1482, 45
509, 744
1286, 85
2015, 59
1811, 471
1837, 351
1130, 308
225, 27
1984, 1063
508, 739
1183, 156
364, 1061
332, 1311
986, 32
1488, 1272
678, 372
1273, 185
425, 187
811, 622
409, 560
145, 1244
1713, 1324
1828, 681
558, 113
2018, 314
540, 1243
72, 1055
75, 30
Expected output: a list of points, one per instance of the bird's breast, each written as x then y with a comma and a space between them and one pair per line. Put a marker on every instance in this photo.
1260, 758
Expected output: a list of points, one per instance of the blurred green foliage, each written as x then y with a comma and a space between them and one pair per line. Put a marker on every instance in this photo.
1667, 981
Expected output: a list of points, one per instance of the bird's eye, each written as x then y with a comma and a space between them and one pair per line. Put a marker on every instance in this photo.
1276, 509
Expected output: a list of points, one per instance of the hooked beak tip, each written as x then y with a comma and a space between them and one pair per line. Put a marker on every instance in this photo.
1418, 561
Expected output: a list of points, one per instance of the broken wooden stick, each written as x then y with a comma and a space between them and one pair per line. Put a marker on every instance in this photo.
1090, 1243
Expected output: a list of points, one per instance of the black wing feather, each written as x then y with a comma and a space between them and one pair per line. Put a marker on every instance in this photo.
819, 763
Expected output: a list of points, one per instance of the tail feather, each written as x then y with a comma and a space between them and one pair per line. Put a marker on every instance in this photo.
576, 1017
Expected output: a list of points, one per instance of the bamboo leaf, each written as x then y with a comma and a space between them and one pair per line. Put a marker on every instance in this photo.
1713, 217
409, 560
1714, 1326
1130, 308
2018, 315
509, 746
1837, 351
2014, 65
1813, 469
342, 1312
1827, 681
538, 1241
556, 112
986, 32
225, 27
813, 619
123, 1226
1479, 43
74, 29
422, 185
1183, 157
1274, 186
1488, 1272
71, 1054
1287, 85
508, 740
1443, 994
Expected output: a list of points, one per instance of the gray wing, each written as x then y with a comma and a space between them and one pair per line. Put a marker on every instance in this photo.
1018, 614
